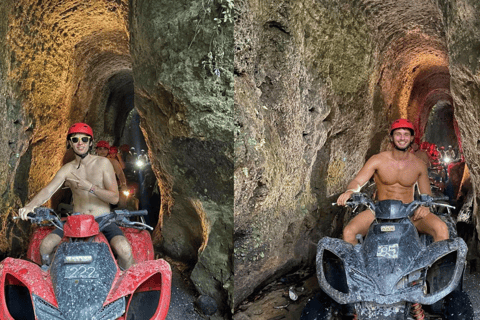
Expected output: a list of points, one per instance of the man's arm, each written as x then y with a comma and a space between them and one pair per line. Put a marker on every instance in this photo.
45, 194
360, 179
117, 167
120, 160
423, 181
110, 193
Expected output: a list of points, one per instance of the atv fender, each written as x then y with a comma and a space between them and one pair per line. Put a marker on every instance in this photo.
21, 272
136, 278
141, 241
434, 252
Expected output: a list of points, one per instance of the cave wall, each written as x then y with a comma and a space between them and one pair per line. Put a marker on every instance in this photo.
183, 74
43, 84
317, 85
302, 72
462, 25
16, 133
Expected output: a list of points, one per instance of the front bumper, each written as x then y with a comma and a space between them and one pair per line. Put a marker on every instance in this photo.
45, 311
366, 289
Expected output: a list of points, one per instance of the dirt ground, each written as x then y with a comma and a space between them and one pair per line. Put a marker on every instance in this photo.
274, 303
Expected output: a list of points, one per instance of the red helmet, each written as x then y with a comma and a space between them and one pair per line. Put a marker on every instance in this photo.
442, 148
80, 128
402, 124
113, 150
103, 144
125, 147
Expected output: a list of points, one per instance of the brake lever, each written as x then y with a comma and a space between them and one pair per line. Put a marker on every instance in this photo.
143, 225
129, 223
443, 205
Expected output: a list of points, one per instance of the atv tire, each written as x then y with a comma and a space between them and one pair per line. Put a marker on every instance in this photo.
321, 307
457, 306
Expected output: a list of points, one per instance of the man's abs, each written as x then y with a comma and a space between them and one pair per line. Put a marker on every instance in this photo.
89, 204
395, 192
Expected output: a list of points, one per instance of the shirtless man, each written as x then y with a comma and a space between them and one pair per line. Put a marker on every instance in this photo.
422, 154
395, 173
103, 149
114, 154
94, 188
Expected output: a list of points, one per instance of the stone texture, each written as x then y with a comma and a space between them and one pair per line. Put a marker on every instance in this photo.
183, 71
462, 22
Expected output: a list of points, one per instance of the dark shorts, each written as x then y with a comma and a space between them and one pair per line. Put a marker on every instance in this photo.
109, 231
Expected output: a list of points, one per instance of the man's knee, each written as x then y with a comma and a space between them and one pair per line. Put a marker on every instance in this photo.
349, 232
49, 243
121, 246
441, 230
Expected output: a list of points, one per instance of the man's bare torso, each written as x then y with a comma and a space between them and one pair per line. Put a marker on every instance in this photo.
395, 179
91, 169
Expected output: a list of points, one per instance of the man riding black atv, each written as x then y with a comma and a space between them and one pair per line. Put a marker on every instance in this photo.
396, 172
393, 273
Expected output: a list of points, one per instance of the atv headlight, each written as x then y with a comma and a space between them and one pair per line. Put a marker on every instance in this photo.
412, 279
334, 271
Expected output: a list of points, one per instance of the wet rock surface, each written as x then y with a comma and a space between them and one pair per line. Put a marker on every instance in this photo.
182, 299
185, 301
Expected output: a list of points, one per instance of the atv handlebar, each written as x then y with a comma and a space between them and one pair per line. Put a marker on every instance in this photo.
47, 216
120, 218
43, 215
426, 200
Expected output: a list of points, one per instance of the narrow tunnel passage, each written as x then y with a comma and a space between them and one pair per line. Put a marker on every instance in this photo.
103, 63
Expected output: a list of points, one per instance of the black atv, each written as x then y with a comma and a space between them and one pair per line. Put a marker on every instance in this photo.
393, 273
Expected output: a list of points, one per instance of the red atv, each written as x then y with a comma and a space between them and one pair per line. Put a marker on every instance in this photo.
84, 281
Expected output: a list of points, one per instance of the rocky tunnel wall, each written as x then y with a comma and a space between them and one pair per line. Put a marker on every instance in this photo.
317, 85
51, 80
72, 61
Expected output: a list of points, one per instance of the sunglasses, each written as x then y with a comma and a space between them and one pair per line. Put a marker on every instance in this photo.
84, 139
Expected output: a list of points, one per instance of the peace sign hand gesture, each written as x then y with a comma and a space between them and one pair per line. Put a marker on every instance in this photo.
81, 183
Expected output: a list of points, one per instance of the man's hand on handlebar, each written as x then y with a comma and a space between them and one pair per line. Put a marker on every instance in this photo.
421, 213
342, 199
23, 212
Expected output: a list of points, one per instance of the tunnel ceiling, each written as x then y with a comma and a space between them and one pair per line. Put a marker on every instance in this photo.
68, 58
415, 76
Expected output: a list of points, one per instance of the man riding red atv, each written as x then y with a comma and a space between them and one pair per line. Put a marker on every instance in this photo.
84, 281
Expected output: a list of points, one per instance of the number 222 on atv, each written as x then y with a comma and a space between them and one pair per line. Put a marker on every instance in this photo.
84, 281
